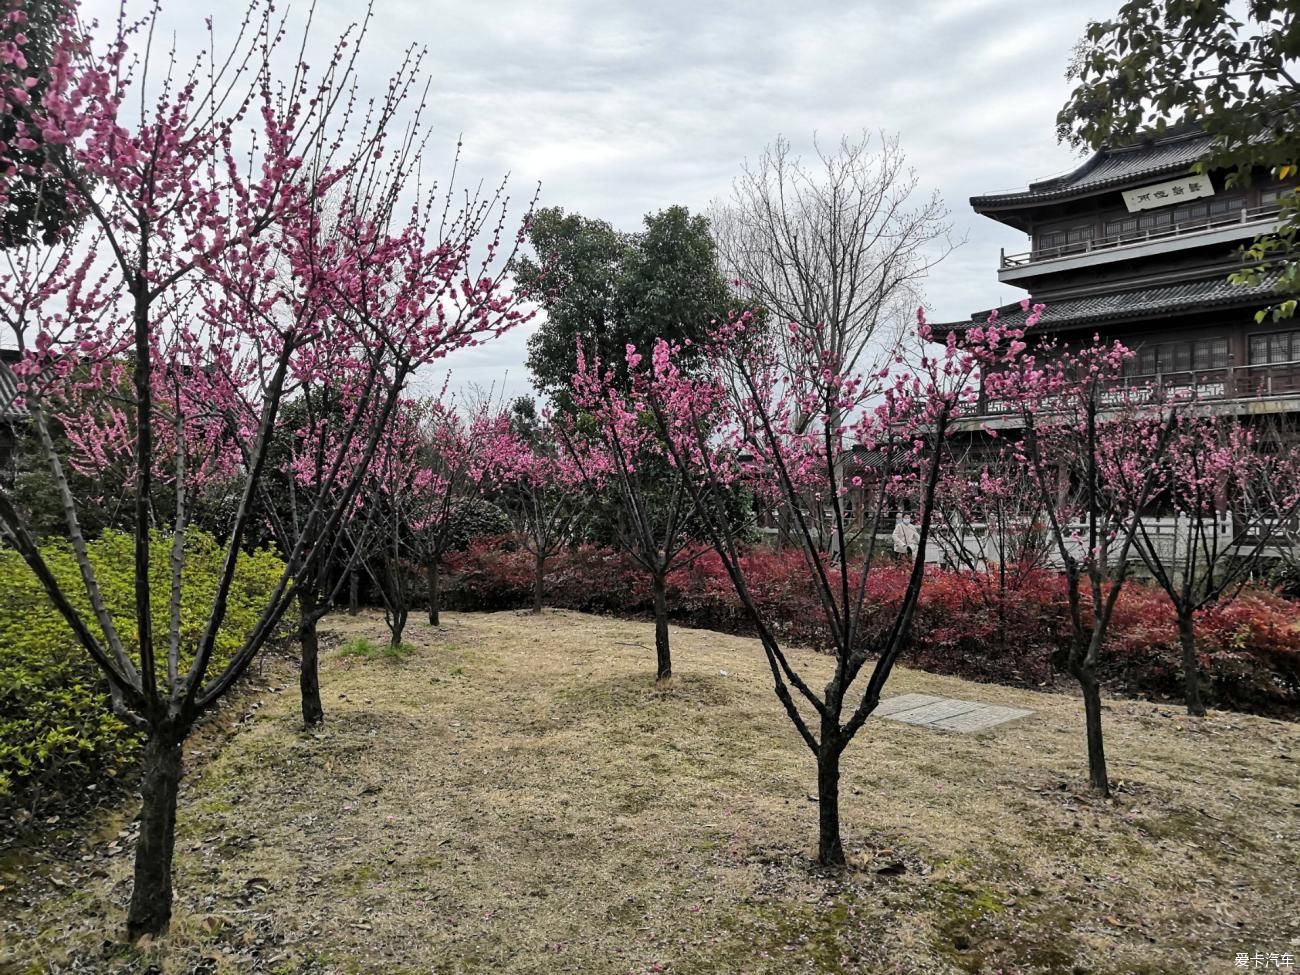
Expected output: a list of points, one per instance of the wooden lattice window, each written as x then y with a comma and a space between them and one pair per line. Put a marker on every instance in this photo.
1210, 354
1273, 347
1051, 239
1186, 356
1274, 194
1222, 205
1122, 227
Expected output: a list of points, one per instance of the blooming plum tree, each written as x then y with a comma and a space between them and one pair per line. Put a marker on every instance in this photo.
453, 450
207, 267
989, 523
786, 425
1232, 494
380, 535
1093, 446
614, 444
322, 420
540, 489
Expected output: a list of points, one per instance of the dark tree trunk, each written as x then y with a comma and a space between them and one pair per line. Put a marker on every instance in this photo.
1097, 777
539, 581
1002, 606
151, 897
830, 849
663, 654
396, 627
435, 593
1191, 665
354, 593
313, 712
396, 601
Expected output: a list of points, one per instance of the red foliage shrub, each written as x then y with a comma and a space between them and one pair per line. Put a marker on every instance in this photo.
1249, 649
495, 574
966, 625
970, 627
491, 574
594, 579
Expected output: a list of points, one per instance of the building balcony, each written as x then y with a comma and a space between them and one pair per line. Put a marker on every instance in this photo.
1272, 388
1248, 222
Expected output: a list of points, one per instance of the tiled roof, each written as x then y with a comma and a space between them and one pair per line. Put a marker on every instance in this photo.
9, 388
865, 459
9, 393
1214, 291
1109, 168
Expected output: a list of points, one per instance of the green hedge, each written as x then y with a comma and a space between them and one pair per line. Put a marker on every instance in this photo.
56, 733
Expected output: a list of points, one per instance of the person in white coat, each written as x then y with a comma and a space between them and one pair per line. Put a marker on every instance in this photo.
906, 537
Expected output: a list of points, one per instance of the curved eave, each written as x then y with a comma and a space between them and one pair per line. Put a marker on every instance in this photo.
1180, 153
1135, 305
1029, 198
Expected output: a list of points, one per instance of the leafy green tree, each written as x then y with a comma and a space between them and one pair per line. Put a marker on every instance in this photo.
607, 288
1230, 67
523, 417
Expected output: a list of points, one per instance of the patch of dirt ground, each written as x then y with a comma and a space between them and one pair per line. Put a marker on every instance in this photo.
518, 795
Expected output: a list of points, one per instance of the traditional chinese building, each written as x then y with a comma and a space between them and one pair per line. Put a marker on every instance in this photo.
1132, 245
1135, 246
13, 419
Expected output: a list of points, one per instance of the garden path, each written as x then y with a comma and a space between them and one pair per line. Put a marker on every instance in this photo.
947, 713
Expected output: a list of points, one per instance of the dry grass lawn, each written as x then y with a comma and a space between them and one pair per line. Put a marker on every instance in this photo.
518, 796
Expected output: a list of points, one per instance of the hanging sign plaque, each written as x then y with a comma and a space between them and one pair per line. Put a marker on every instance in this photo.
1167, 194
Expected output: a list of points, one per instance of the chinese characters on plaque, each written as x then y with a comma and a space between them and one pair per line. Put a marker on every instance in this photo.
1167, 194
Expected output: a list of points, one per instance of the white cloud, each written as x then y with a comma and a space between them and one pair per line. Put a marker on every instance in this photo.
620, 108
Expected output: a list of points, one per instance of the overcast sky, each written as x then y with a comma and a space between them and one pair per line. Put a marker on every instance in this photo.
623, 108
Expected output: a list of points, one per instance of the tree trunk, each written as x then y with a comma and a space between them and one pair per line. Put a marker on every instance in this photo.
830, 850
396, 627
435, 593
396, 601
1191, 665
539, 577
1097, 777
663, 654
313, 712
354, 593
1002, 606
151, 897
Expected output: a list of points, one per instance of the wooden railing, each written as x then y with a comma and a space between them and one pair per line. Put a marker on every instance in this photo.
1228, 383
1249, 215
1170, 536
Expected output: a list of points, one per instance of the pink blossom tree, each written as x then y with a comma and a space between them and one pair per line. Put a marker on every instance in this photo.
381, 534
541, 491
1230, 494
1093, 447
787, 427
615, 447
454, 452
207, 266
988, 517
431, 465
1280, 436
323, 425
989, 523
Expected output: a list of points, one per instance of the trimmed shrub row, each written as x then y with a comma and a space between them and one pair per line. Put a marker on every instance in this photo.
1250, 647
56, 733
